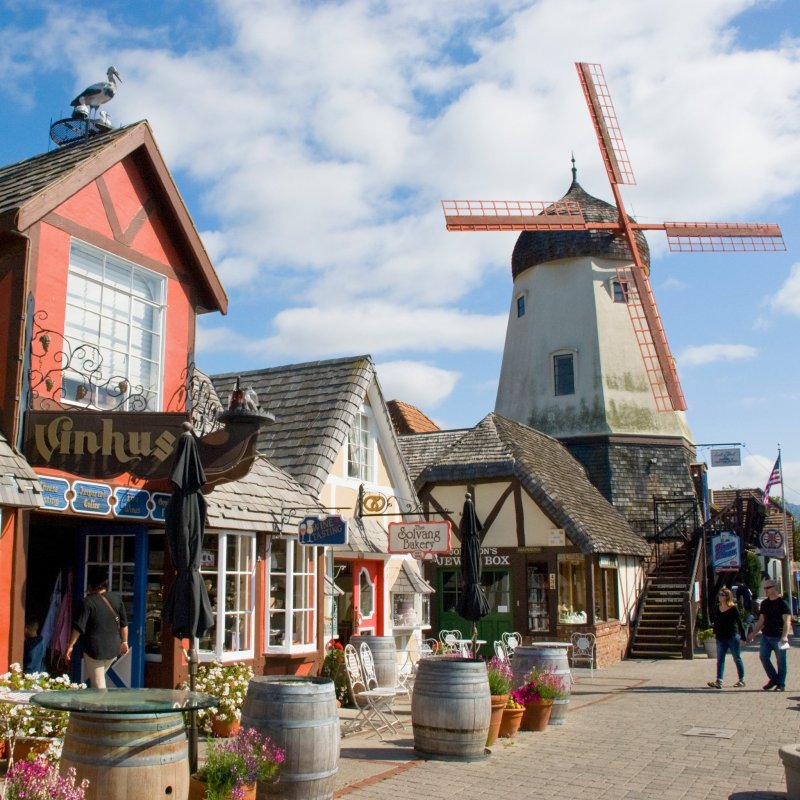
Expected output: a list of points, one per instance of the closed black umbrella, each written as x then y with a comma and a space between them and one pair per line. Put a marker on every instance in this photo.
472, 603
187, 607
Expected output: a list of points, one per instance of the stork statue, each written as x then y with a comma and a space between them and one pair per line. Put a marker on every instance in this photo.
95, 95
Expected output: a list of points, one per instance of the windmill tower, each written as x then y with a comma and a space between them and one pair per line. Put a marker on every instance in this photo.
586, 359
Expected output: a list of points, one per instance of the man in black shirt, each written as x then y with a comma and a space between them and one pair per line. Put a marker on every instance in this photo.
774, 622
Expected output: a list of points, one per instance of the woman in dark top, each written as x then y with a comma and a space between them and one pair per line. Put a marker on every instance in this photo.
102, 626
729, 632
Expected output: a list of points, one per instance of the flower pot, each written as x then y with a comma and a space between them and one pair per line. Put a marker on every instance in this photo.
537, 715
224, 728
498, 705
197, 790
711, 647
509, 724
25, 745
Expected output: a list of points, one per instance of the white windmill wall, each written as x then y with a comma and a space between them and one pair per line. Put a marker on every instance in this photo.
569, 307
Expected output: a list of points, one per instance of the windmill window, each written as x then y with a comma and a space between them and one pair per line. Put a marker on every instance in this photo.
521, 306
564, 373
620, 291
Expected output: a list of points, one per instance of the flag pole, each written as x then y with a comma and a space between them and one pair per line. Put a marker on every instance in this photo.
787, 561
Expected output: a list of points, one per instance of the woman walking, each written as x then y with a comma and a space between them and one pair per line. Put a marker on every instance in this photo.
726, 624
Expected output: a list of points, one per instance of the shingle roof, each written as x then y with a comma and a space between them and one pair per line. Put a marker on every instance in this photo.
499, 447
21, 181
421, 449
266, 499
19, 485
539, 247
365, 535
314, 405
409, 419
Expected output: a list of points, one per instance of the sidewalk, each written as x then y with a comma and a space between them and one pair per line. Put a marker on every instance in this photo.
627, 736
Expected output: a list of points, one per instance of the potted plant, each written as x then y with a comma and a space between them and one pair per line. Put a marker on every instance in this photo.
40, 780
537, 695
233, 767
333, 668
708, 640
29, 728
228, 683
498, 672
512, 719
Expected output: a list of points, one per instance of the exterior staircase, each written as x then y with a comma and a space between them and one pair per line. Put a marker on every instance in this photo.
661, 625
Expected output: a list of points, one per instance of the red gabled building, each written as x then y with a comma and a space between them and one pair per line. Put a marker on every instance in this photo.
102, 276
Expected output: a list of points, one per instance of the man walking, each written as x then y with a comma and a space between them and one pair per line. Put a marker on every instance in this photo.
774, 622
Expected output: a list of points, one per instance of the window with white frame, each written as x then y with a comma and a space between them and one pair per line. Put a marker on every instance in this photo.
228, 569
359, 449
114, 317
291, 597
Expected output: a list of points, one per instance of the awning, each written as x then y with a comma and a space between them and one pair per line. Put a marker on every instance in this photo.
409, 582
19, 486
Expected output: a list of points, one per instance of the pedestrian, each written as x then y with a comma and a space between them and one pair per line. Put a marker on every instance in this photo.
729, 632
102, 626
744, 597
774, 623
33, 649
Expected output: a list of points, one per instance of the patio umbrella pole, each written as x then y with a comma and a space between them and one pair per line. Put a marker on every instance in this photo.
193, 659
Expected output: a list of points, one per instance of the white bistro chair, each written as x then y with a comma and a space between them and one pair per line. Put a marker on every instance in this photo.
583, 646
374, 705
371, 677
512, 640
500, 650
451, 640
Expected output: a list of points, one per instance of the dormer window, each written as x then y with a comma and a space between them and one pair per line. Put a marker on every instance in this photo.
114, 326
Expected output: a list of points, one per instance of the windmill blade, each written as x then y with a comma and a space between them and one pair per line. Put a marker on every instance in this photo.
656, 355
604, 118
723, 237
513, 215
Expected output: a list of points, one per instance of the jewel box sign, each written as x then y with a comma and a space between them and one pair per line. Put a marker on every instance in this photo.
419, 537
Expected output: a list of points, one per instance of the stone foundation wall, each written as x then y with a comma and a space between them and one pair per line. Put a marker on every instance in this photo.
611, 644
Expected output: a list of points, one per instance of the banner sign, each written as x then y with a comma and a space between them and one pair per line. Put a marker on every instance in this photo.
773, 544
725, 551
322, 531
419, 537
131, 503
54, 493
91, 498
489, 558
726, 457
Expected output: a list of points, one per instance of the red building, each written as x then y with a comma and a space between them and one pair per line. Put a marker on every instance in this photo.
102, 276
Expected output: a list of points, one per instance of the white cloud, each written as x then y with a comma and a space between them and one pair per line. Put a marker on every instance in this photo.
709, 353
754, 473
787, 298
416, 382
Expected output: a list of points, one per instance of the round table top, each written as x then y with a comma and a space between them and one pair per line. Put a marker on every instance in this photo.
124, 701
546, 644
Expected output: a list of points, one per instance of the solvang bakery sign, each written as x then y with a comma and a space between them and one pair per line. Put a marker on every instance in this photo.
102, 445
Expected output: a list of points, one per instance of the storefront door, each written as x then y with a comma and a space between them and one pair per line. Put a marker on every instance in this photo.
497, 586
367, 594
122, 550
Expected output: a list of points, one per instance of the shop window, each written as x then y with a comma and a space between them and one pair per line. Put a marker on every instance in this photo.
114, 325
496, 586
538, 613
564, 374
291, 592
359, 449
605, 592
155, 597
366, 590
410, 610
228, 569
572, 589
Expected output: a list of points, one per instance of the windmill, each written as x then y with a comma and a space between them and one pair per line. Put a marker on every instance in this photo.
564, 215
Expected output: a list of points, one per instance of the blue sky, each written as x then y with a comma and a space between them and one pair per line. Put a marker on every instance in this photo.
313, 141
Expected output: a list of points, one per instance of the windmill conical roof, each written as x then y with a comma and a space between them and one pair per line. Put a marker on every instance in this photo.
540, 247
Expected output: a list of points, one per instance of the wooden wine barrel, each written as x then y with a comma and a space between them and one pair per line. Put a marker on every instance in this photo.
451, 708
546, 657
128, 756
299, 714
384, 654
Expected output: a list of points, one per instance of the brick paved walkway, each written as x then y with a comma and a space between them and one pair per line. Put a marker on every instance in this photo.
624, 738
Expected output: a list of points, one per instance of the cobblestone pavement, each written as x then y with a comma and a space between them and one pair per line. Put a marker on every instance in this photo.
625, 737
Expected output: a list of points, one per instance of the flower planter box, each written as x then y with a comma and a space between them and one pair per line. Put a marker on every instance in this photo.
537, 715
509, 725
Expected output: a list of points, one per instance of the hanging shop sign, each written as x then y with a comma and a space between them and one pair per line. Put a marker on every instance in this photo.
607, 562
422, 536
773, 543
322, 530
726, 457
725, 551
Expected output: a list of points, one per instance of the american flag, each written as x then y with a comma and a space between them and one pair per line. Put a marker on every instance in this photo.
774, 479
